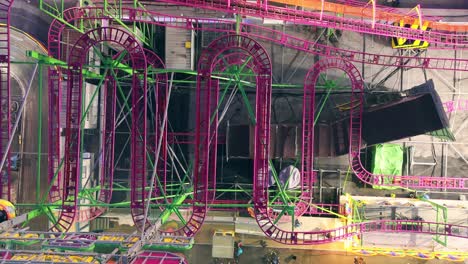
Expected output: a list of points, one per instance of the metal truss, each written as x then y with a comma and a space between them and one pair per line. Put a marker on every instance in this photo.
130, 76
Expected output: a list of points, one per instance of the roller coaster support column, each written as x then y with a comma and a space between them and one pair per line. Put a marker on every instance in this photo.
39, 133
238, 23
165, 215
440, 209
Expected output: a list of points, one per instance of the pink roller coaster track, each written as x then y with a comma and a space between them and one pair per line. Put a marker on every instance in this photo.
337, 234
107, 153
71, 172
160, 93
55, 96
206, 150
160, 97
259, 9
222, 26
5, 117
262, 68
355, 136
255, 31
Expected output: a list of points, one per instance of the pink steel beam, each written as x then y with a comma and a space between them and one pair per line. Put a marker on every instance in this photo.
71, 154
138, 136
308, 175
55, 193
71, 172
328, 21
255, 31
5, 116
212, 137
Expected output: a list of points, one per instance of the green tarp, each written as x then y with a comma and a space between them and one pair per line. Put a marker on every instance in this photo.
387, 159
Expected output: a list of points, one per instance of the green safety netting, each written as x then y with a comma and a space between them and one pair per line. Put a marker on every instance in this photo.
387, 159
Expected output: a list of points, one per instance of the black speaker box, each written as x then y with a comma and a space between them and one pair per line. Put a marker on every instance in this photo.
414, 115
429, 88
